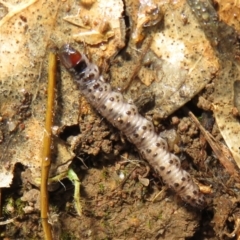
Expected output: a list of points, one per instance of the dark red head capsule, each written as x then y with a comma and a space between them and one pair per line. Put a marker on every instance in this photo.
72, 59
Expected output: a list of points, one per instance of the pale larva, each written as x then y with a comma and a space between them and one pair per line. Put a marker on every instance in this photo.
126, 118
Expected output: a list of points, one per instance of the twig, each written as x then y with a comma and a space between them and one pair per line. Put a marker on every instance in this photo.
0, 202
138, 65
47, 141
125, 180
8, 221
221, 151
14, 10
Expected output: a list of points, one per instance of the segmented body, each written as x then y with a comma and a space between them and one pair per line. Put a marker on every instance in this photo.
126, 118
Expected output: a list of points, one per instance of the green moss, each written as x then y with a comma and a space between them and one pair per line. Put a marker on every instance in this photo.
160, 216
105, 174
9, 203
19, 206
67, 236
149, 224
101, 188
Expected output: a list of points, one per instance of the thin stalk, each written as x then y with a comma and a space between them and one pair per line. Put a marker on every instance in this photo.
47, 141
76, 182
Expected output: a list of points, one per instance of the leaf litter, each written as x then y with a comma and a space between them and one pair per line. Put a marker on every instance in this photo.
159, 55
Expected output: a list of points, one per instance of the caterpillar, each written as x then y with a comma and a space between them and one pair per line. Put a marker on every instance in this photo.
137, 129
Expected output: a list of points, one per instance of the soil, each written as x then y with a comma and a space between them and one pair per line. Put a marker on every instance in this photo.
120, 195
117, 201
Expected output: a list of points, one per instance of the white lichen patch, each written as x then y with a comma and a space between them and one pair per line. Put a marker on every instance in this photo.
185, 63
26, 31
169, 49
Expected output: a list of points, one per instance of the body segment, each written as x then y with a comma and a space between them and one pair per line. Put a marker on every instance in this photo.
125, 117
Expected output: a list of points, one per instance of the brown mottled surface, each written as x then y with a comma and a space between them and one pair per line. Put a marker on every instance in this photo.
121, 197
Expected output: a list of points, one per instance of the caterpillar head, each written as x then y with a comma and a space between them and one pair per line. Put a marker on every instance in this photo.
77, 64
